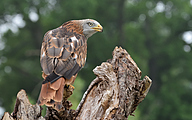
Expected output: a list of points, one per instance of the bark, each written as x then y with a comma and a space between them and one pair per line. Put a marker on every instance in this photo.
113, 94
23, 109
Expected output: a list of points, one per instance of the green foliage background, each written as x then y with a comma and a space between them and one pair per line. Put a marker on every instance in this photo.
150, 30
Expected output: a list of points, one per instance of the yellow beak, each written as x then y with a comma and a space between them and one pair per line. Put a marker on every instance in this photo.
99, 28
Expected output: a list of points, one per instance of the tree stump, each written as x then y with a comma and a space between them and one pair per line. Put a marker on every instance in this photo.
114, 94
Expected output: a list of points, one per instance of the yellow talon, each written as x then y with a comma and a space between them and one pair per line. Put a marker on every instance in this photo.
69, 87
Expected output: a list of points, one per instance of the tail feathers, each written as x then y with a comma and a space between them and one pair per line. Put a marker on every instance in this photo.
52, 93
46, 92
59, 94
56, 85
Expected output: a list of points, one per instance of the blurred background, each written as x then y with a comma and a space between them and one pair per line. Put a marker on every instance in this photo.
157, 34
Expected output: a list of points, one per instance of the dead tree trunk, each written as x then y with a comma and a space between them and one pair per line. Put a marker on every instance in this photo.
113, 94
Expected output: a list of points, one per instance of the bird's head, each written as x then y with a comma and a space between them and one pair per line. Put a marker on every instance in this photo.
90, 27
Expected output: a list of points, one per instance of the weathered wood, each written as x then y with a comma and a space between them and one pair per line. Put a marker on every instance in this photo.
116, 91
24, 110
7, 116
113, 94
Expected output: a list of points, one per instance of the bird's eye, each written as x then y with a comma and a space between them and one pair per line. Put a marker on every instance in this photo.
90, 24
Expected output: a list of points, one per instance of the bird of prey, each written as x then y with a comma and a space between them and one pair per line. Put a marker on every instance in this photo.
63, 54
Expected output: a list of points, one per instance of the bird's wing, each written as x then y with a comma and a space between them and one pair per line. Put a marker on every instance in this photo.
63, 52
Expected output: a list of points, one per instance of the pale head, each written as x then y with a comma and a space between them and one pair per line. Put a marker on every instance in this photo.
90, 27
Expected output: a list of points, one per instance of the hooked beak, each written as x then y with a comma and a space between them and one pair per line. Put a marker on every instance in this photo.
99, 28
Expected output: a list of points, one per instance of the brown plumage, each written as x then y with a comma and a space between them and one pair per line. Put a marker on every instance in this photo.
63, 54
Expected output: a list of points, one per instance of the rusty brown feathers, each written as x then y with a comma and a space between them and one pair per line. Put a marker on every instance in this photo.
63, 54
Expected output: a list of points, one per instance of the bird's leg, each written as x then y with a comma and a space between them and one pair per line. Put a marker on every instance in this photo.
68, 91
68, 88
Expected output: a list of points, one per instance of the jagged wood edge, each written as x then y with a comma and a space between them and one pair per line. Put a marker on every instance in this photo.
142, 88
